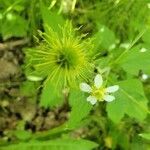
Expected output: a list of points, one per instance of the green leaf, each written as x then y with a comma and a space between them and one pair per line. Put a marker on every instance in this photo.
80, 108
118, 137
59, 144
14, 26
28, 88
51, 95
104, 37
22, 134
51, 132
146, 36
130, 100
138, 144
145, 136
138, 58
51, 19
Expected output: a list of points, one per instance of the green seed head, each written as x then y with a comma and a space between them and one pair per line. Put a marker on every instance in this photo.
63, 58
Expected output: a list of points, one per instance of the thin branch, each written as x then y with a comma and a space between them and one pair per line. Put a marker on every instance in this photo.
12, 44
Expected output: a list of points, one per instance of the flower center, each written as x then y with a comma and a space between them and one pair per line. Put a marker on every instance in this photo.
67, 58
98, 93
62, 60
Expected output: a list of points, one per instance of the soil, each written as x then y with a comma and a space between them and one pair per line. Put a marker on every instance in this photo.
16, 109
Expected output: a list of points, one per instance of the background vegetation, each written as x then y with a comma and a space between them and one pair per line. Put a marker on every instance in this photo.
33, 113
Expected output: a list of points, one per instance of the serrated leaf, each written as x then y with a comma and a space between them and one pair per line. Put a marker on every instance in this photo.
59, 144
51, 96
51, 19
130, 100
138, 58
80, 108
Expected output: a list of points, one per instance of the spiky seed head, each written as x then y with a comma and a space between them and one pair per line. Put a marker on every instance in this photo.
62, 57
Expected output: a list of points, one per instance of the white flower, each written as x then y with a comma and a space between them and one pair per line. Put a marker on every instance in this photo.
97, 91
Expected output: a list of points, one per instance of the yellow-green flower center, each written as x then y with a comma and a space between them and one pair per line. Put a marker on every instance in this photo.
68, 58
98, 93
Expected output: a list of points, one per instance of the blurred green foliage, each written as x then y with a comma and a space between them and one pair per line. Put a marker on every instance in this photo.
120, 34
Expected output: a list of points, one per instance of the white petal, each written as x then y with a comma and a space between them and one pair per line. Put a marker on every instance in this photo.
98, 81
85, 87
92, 100
109, 98
34, 78
112, 89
